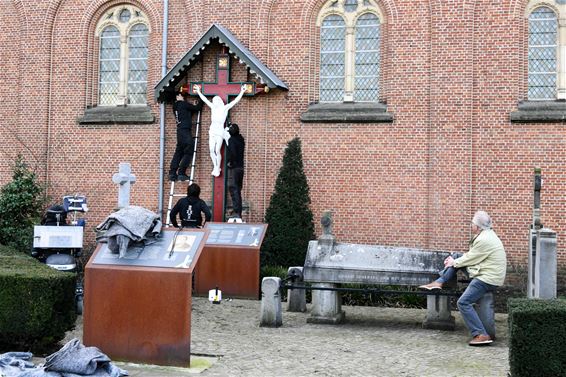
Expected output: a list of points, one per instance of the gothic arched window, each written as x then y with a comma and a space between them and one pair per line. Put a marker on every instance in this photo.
349, 51
124, 41
543, 39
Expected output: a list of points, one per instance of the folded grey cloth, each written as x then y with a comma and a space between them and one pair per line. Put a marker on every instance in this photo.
137, 221
129, 224
73, 360
13, 363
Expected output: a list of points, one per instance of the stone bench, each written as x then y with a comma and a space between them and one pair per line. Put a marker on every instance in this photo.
329, 264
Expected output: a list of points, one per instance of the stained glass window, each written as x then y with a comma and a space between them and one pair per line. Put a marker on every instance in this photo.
109, 65
332, 56
137, 64
543, 25
366, 80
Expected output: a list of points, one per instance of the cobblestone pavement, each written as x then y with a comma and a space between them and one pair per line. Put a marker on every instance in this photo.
373, 342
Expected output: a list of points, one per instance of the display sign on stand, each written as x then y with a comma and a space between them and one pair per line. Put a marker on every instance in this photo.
138, 308
230, 260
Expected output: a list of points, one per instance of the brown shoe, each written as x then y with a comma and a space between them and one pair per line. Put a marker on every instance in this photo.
480, 340
431, 286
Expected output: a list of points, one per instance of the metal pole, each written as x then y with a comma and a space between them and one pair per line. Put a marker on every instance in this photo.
535, 226
162, 105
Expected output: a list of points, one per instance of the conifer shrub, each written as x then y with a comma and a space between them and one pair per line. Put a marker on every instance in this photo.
37, 303
21, 205
289, 218
537, 337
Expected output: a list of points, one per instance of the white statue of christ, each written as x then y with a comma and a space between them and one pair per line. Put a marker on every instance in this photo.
217, 133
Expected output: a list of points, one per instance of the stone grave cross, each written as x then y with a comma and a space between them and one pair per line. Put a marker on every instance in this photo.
125, 179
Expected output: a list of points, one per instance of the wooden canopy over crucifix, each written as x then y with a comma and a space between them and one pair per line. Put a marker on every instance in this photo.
222, 87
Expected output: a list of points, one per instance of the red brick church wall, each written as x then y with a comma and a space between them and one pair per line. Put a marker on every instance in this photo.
452, 71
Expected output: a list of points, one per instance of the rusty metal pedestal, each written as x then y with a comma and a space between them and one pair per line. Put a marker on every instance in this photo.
139, 314
230, 260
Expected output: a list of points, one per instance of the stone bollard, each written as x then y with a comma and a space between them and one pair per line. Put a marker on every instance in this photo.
545, 265
486, 311
296, 299
271, 315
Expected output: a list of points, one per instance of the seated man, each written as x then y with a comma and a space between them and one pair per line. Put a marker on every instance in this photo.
486, 263
190, 209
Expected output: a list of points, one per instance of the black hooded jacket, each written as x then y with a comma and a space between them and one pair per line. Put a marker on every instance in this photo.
183, 112
190, 210
236, 145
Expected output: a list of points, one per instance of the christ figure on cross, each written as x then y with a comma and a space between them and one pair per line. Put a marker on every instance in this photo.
216, 132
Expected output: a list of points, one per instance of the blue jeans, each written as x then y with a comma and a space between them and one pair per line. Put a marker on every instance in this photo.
474, 293
448, 273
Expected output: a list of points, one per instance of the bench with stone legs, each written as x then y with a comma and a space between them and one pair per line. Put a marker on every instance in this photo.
328, 265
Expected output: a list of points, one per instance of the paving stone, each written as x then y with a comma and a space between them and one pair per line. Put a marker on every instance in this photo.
374, 341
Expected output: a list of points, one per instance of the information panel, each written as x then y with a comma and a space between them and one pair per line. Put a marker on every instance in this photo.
236, 234
173, 249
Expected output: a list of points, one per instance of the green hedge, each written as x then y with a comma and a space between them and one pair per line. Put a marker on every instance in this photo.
537, 337
37, 303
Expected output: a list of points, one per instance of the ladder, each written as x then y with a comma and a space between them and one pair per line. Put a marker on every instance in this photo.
191, 176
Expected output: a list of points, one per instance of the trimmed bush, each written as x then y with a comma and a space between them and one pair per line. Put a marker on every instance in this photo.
276, 271
537, 337
288, 215
37, 303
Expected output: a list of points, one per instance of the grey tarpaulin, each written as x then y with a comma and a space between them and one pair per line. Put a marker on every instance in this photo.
73, 360
129, 224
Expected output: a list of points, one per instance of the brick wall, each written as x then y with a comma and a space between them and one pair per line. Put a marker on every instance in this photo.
452, 71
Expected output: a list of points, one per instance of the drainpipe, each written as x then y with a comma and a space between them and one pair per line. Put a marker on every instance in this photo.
162, 105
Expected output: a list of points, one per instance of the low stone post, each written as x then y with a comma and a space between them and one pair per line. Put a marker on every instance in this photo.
296, 298
545, 265
271, 315
438, 315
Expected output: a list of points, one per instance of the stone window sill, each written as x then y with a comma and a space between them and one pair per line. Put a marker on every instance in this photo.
539, 112
347, 112
117, 115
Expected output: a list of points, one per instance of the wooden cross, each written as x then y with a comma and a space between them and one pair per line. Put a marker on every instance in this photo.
224, 89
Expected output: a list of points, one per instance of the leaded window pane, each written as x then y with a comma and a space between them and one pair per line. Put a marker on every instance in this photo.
137, 64
543, 26
125, 15
332, 59
366, 79
109, 69
350, 5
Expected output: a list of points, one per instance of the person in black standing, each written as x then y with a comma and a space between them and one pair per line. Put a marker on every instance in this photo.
182, 157
235, 163
190, 209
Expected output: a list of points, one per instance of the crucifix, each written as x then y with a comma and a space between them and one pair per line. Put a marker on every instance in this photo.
222, 88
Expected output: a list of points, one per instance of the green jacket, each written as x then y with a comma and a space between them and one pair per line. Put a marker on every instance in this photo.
486, 259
